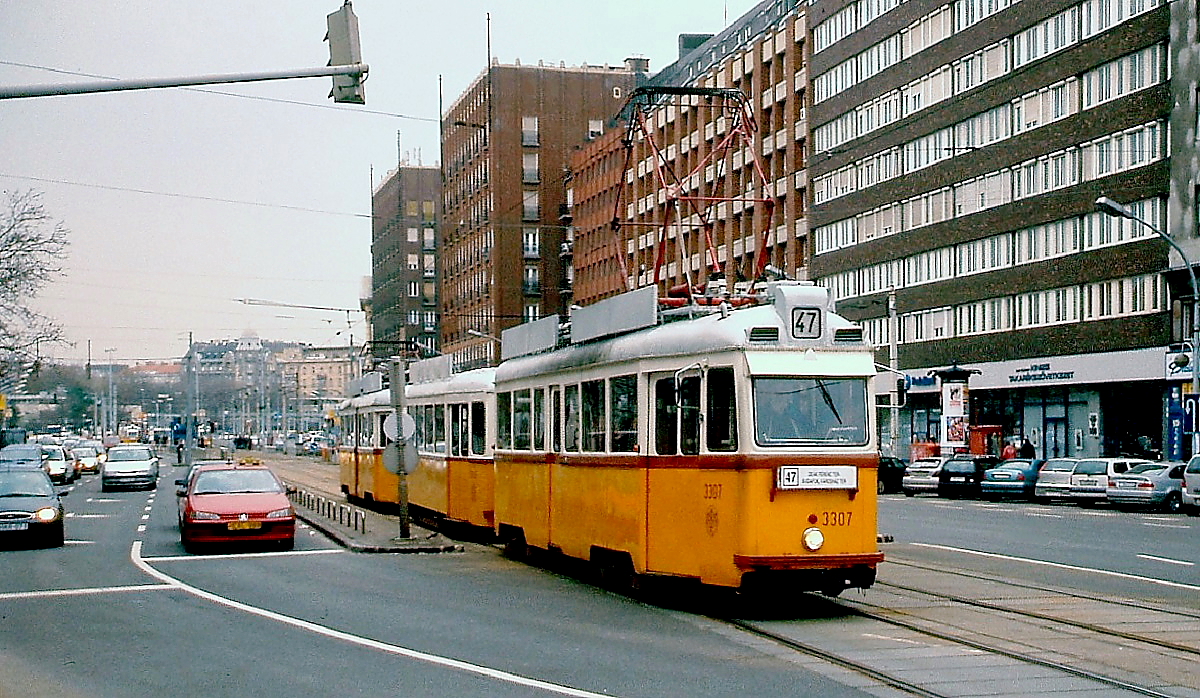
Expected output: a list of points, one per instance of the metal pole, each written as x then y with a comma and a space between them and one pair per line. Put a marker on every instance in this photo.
79, 88
894, 364
396, 377
1116, 209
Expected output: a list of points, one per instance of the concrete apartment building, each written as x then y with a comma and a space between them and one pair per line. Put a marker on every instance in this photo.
403, 303
957, 152
506, 142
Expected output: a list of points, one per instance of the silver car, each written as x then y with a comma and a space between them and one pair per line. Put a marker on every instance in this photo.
921, 475
1089, 482
1156, 485
131, 465
1190, 500
1054, 479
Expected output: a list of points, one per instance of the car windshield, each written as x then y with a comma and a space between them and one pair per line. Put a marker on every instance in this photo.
1145, 468
25, 483
235, 481
56, 454
127, 454
1059, 465
1091, 467
810, 410
19, 454
83, 452
959, 466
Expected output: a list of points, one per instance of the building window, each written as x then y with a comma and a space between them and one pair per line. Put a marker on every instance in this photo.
533, 312
529, 168
530, 283
529, 130
530, 209
414, 289
595, 128
531, 241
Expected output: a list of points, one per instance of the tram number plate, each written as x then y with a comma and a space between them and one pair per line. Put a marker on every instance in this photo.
816, 477
806, 323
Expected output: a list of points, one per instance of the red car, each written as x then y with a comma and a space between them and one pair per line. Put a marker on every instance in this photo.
234, 503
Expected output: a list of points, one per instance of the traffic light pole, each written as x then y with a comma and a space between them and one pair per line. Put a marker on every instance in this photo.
78, 88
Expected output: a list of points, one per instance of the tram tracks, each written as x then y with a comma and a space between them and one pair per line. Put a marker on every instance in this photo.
927, 630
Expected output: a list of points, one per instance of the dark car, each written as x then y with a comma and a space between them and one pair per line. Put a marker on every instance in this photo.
30, 508
891, 474
961, 475
1016, 477
22, 454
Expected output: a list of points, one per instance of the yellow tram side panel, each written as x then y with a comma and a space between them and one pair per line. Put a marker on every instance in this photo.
599, 506
427, 484
357, 469
692, 523
471, 491
522, 490
699, 520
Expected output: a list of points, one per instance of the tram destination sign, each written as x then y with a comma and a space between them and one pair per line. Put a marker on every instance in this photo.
816, 477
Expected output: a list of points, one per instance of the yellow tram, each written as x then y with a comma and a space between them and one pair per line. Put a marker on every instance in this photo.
727, 446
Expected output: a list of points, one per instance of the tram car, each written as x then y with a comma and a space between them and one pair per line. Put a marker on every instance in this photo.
730, 446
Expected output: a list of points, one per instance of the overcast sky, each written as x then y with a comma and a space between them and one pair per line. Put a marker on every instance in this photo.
181, 201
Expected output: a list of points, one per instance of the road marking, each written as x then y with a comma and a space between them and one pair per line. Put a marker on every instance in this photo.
79, 542
1061, 566
73, 515
1167, 560
51, 593
141, 529
99, 500
1044, 516
1158, 525
135, 554
234, 556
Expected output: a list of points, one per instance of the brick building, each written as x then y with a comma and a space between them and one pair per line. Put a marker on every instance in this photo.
506, 141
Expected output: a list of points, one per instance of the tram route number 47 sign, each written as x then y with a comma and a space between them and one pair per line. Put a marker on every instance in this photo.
816, 477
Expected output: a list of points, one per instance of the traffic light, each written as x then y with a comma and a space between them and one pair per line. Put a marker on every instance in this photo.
344, 49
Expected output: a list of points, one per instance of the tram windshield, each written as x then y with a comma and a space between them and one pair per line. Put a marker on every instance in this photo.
791, 410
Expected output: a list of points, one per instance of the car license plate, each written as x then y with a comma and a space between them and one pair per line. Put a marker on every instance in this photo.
1089, 482
1126, 484
1002, 476
18, 526
958, 479
244, 525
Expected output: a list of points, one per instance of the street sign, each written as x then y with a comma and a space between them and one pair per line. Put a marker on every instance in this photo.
409, 426
1191, 406
394, 458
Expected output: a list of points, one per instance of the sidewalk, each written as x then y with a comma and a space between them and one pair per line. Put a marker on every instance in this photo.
320, 503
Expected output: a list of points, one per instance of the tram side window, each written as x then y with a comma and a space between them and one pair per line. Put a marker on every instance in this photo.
571, 423
721, 421
555, 419
593, 415
539, 419
429, 427
623, 401
418, 415
503, 420
522, 406
689, 415
458, 440
666, 426
384, 439
439, 428
478, 429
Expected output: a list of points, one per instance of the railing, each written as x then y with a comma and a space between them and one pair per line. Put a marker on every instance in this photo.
331, 509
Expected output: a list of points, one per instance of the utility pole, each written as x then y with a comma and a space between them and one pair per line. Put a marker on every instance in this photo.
396, 377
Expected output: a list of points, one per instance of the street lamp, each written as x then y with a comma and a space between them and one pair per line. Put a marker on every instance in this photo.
1117, 210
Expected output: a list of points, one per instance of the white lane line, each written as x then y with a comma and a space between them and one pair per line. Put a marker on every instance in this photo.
1044, 516
1059, 565
135, 554
1167, 560
73, 515
141, 529
1158, 525
234, 556
50, 593
99, 500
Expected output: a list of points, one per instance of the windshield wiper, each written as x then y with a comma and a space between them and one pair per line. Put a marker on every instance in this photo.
829, 400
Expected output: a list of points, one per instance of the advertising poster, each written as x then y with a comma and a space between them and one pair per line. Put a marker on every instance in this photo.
954, 416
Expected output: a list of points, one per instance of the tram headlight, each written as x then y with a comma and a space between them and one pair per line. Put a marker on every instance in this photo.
813, 539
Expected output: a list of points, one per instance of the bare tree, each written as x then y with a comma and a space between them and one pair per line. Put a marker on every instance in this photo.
32, 248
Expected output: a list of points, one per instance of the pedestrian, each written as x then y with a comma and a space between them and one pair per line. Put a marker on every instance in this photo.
1009, 452
1027, 449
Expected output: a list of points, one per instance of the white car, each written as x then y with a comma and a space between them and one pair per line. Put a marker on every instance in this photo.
1190, 502
921, 475
129, 465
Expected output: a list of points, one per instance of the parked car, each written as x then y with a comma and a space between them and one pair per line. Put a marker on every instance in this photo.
1089, 482
1054, 479
961, 475
1016, 477
30, 507
921, 475
234, 503
129, 465
1190, 495
59, 467
1155, 485
87, 458
891, 474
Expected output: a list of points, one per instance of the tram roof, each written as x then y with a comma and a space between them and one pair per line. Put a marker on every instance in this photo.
765, 328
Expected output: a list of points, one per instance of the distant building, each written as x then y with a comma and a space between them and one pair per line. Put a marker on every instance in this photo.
404, 255
507, 140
